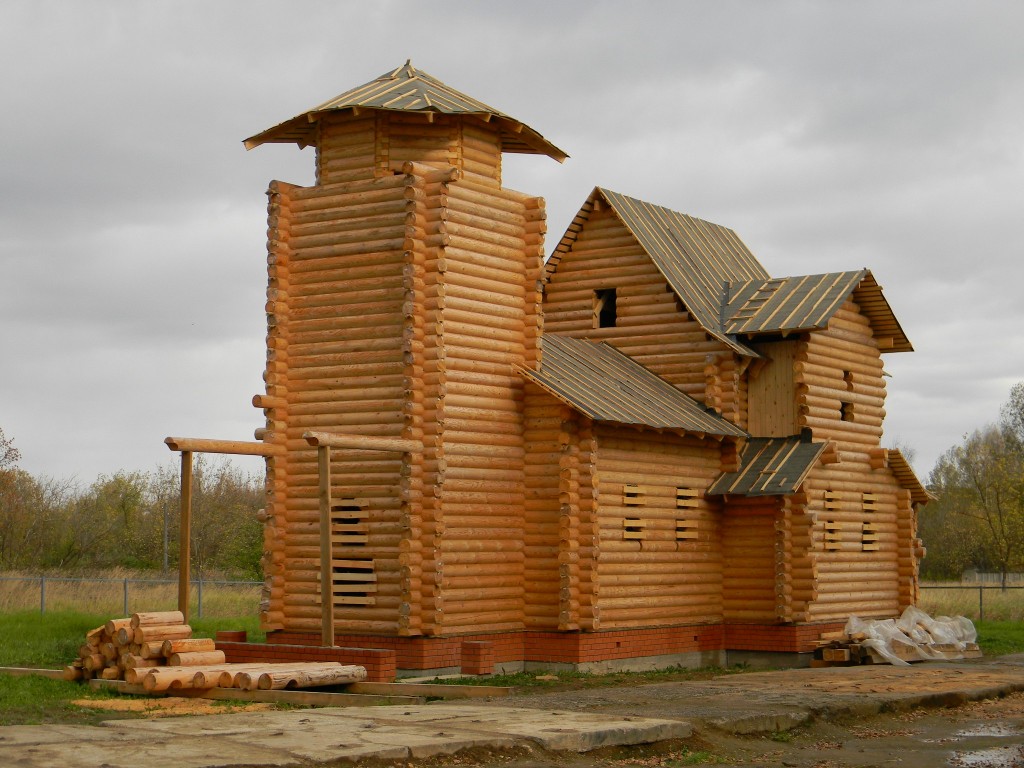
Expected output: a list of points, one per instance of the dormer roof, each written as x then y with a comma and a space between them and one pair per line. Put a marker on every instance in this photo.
770, 466
408, 89
806, 303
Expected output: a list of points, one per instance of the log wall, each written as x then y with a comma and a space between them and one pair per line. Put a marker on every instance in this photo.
861, 563
547, 439
660, 545
749, 561
367, 146
481, 296
342, 282
651, 325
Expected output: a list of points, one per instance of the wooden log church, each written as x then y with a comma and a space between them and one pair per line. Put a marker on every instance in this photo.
642, 451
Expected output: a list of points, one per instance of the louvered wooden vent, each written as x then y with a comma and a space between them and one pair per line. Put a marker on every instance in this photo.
349, 524
869, 538
355, 582
633, 528
833, 535
633, 495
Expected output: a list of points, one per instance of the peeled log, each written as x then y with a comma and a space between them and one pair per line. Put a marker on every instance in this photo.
149, 634
196, 659
303, 676
188, 645
157, 617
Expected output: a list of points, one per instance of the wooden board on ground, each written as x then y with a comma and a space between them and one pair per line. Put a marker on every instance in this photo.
299, 698
54, 674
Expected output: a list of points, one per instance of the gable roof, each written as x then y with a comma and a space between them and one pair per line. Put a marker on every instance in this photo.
808, 302
408, 89
697, 258
602, 383
770, 466
723, 285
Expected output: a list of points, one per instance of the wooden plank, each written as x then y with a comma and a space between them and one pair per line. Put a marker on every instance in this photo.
53, 674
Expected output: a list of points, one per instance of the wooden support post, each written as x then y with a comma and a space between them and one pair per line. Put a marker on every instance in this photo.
185, 536
323, 454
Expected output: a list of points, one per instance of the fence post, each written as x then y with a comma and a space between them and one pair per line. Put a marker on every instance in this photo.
981, 602
199, 606
125, 597
42, 594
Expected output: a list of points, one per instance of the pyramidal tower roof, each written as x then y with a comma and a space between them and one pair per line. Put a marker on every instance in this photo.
408, 89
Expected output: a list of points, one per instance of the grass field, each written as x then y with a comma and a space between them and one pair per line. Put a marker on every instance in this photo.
51, 640
108, 592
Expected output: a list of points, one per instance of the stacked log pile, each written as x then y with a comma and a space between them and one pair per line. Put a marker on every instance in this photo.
121, 648
157, 652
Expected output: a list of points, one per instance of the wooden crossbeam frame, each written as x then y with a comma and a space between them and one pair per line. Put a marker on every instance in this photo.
187, 446
324, 442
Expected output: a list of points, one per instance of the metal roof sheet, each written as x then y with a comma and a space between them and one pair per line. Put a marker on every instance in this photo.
408, 89
770, 466
606, 385
788, 303
906, 477
808, 302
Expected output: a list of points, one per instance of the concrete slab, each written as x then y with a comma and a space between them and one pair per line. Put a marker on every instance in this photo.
570, 720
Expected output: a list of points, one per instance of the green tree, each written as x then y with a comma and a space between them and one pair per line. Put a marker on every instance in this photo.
9, 455
105, 524
982, 481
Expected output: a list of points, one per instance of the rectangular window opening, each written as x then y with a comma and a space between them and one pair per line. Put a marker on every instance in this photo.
604, 308
846, 411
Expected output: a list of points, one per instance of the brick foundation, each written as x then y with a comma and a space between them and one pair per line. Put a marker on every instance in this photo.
480, 654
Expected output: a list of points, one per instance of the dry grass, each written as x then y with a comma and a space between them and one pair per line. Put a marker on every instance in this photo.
963, 600
104, 593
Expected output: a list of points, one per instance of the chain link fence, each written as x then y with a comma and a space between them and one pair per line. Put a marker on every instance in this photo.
127, 595
978, 602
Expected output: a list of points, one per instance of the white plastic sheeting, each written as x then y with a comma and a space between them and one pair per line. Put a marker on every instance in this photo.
913, 634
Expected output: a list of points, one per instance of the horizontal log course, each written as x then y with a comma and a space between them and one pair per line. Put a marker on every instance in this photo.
233, 447
361, 442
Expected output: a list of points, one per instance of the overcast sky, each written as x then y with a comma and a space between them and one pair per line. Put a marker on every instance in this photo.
831, 136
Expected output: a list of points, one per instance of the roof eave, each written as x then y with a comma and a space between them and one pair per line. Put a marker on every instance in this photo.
527, 141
